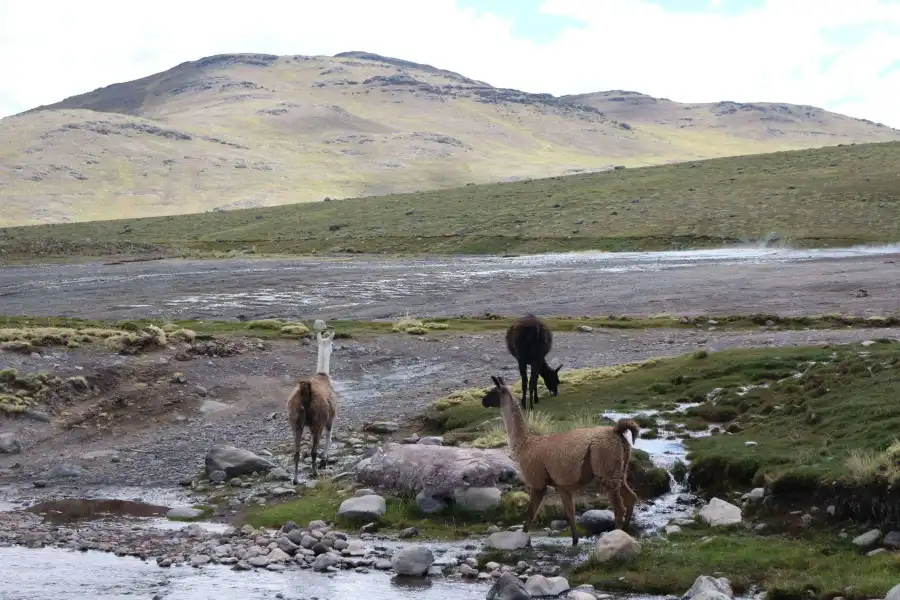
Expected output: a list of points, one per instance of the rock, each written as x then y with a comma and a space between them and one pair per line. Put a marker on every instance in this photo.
709, 588
383, 427
278, 555
434, 571
580, 595
597, 521
280, 492
64, 471
278, 474
616, 545
287, 546
383, 564
478, 499
892, 540
10, 444
260, 562
414, 560
437, 471
364, 492
508, 540
719, 513
184, 513
235, 461
893, 593
409, 532
316, 525
324, 561
585, 328
670, 529
201, 391
296, 536
429, 504
756, 494
540, 586
218, 476
868, 539
39, 483
508, 587
198, 560
558, 525
431, 440
364, 508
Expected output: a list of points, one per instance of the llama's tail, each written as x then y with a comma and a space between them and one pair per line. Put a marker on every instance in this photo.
627, 425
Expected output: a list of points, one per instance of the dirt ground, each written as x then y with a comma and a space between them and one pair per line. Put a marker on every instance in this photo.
144, 429
783, 282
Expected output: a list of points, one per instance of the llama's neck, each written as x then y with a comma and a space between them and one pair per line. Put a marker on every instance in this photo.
323, 365
516, 429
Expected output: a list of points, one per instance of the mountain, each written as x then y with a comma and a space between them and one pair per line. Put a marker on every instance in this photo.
247, 130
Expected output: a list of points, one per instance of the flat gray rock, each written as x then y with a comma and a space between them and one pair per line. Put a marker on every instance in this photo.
363, 508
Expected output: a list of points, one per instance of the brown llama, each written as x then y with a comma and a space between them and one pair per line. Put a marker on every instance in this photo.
313, 404
529, 340
568, 461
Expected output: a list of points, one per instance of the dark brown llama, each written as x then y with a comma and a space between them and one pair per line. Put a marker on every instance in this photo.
313, 404
529, 340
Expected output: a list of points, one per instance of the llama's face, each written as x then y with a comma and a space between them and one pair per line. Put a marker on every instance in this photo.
551, 380
498, 395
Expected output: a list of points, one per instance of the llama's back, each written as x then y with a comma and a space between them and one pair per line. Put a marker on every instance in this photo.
321, 407
528, 339
571, 458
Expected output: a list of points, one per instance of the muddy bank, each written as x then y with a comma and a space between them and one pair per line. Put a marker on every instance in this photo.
700, 282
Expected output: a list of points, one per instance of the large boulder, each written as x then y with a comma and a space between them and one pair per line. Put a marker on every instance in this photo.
893, 593
616, 546
414, 560
508, 587
363, 508
719, 513
235, 462
439, 471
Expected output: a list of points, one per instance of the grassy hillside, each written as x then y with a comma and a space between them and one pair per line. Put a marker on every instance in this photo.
240, 131
828, 196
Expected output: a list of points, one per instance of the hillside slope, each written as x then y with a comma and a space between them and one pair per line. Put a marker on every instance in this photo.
820, 197
234, 131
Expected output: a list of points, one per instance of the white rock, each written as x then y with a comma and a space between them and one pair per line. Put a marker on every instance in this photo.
364, 508
184, 513
478, 499
894, 593
508, 540
616, 545
580, 595
719, 513
709, 588
539, 586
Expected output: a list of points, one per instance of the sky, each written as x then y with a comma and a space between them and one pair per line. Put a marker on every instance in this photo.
842, 55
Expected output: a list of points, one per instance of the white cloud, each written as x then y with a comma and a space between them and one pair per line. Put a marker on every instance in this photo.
52, 49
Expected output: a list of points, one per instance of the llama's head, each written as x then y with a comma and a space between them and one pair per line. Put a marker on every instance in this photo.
551, 379
497, 396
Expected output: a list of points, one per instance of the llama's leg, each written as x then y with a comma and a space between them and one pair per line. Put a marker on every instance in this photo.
314, 447
535, 496
327, 446
523, 371
298, 433
532, 386
630, 499
569, 506
613, 492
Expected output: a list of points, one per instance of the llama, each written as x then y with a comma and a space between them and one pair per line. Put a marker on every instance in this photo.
313, 404
568, 461
529, 340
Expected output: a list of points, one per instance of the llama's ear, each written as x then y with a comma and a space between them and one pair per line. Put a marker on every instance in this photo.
558, 368
500, 379
494, 378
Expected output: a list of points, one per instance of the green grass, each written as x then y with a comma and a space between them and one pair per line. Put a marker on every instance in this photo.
839, 421
786, 567
323, 501
821, 197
